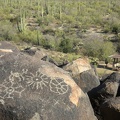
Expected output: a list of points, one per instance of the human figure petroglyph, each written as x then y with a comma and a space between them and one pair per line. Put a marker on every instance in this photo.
8, 90
16, 78
24, 71
37, 81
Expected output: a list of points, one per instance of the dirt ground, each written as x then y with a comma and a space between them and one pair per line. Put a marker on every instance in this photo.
102, 69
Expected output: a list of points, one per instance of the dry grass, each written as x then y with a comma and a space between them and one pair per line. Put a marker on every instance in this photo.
102, 69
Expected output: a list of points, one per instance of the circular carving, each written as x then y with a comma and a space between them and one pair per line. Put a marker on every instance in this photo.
58, 85
37, 81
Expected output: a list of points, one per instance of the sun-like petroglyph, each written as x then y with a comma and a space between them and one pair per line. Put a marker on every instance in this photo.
37, 81
18, 82
57, 85
8, 90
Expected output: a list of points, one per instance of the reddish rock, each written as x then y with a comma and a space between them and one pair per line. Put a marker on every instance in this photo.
83, 74
78, 66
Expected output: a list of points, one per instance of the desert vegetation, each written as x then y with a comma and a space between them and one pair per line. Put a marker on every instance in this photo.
60, 25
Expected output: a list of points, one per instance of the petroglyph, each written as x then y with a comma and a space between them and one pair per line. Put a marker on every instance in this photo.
16, 78
2, 101
24, 71
15, 64
57, 85
3, 69
8, 90
56, 102
37, 81
36, 117
14, 84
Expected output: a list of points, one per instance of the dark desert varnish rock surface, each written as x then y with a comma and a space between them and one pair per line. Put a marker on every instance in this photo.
111, 109
83, 74
32, 89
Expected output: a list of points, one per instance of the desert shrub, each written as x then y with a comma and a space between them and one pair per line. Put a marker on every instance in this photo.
31, 37
98, 49
68, 19
48, 30
46, 20
106, 29
66, 45
7, 30
115, 28
47, 44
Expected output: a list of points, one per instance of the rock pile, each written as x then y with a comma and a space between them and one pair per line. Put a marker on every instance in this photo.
104, 94
105, 98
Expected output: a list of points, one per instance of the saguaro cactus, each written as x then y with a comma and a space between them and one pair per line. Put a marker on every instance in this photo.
21, 24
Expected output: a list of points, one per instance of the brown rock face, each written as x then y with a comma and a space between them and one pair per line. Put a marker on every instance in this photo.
78, 66
83, 74
31, 89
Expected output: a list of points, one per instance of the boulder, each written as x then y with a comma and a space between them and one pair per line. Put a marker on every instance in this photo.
34, 51
83, 74
78, 66
111, 109
48, 59
101, 93
30, 50
32, 89
87, 80
7, 47
114, 77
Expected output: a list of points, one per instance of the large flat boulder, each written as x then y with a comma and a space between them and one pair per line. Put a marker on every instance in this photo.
32, 89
